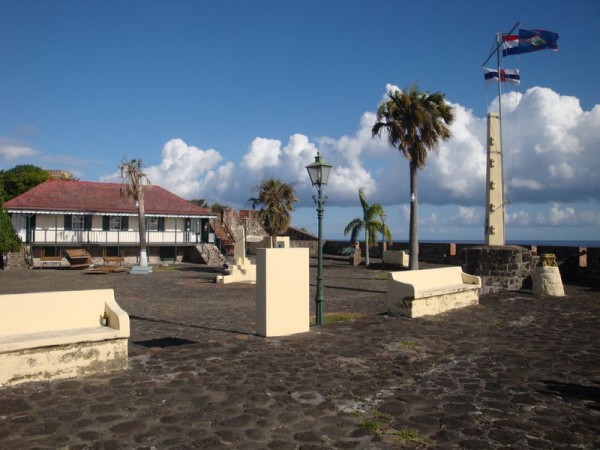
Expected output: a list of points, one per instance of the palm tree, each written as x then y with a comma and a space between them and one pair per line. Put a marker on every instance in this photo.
369, 223
133, 175
415, 122
276, 200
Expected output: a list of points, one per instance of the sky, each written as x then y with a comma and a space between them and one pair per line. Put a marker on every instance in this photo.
218, 96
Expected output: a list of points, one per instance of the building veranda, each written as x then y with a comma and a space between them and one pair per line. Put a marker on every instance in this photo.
101, 218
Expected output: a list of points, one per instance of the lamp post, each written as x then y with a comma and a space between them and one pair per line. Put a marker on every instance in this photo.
383, 217
319, 176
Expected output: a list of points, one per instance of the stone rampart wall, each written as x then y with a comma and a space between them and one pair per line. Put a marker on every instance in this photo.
576, 263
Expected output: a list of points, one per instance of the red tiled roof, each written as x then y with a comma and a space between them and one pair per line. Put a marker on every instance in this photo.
85, 196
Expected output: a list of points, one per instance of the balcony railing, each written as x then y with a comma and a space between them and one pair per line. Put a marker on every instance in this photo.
53, 236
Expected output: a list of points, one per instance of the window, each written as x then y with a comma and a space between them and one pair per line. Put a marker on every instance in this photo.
115, 223
78, 222
152, 224
155, 223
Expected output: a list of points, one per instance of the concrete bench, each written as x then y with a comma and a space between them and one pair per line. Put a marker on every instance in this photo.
419, 293
55, 261
53, 335
396, 258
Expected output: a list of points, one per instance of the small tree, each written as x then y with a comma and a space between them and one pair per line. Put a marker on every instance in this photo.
9, 240
133, 175
414, 122
369, 224
200, 202
20, 179
276, 200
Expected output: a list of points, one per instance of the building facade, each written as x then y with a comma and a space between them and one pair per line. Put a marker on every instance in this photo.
101, 218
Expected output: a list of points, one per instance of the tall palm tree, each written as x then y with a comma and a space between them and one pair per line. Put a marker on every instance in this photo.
134, 177
369, 224
276, 200
414, 122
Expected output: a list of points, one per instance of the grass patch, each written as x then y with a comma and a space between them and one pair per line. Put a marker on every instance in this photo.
409, 344
372, 426
342, 316
381, 276
377, 424
408, 435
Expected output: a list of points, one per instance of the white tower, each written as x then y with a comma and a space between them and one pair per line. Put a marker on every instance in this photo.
494, 201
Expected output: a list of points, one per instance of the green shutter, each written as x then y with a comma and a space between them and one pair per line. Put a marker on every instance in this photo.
125, 223
105, 223
161, 224
87, 222
68, 222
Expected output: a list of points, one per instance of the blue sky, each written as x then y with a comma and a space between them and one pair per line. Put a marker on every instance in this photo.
215, 96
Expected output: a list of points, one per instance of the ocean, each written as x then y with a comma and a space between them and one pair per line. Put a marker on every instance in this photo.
539, 243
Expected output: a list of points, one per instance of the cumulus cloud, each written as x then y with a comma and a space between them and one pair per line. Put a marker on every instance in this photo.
10, 152
262, 153
550, 158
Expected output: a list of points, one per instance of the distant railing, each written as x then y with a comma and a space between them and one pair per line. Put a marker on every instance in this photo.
51, 235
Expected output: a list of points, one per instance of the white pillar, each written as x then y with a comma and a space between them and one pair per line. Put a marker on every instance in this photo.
494, 200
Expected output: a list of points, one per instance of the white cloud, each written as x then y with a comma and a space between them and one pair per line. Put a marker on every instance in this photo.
262, 153
551, 165
11, 152
467, 216
519, 218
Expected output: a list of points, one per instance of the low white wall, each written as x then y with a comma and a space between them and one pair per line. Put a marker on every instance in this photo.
50, 335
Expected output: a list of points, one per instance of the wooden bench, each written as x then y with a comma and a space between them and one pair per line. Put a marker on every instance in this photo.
52, 335
79, 258
116, 260
417, 293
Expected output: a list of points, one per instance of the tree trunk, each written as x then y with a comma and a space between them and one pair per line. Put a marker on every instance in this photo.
367, 262
142, 228
413, 238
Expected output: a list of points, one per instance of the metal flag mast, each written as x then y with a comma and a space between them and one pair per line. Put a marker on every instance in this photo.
495, 203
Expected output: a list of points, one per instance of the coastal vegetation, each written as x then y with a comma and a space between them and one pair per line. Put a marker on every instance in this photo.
276, 201
414, 122
369, 223
134, 178
20, 179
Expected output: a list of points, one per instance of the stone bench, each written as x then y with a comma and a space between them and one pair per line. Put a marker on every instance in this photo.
396, 258
419, 293
55, 261
53, 335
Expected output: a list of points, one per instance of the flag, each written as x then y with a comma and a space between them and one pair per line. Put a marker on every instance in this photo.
510, 43
506, 75
528, 41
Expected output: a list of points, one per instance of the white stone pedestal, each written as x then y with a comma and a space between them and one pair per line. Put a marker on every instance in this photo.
547, 281
282, 291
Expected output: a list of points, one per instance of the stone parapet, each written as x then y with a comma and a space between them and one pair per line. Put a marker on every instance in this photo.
501, 268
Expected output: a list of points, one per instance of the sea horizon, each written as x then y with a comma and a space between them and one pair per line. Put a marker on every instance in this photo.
539, 242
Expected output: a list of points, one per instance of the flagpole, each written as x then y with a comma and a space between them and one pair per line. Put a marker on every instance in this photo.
500, 153
494, 230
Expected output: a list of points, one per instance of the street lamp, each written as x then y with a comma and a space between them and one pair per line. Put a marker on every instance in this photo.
383, 216
319, 176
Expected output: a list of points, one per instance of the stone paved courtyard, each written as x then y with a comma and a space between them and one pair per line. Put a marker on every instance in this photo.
516, 371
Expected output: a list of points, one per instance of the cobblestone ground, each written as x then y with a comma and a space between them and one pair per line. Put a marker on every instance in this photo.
516, 371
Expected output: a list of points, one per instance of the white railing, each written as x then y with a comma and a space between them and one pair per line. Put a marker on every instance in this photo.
52, 235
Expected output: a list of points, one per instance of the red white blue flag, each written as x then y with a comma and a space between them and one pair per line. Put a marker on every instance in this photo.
529, 41
506, 75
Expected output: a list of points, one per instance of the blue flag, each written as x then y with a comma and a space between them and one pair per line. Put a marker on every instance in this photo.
529, 41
